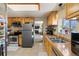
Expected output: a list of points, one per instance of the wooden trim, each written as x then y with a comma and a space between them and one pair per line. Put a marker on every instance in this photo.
75, 14
70, 11
52, 18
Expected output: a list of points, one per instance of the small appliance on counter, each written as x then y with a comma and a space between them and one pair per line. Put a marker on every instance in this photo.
50, 29
75, 43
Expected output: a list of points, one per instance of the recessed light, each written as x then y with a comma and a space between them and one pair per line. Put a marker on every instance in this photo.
24, 7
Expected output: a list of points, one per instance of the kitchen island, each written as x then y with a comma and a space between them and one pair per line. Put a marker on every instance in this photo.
57, 48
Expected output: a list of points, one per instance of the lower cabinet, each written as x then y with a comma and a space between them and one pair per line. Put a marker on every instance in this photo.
48, 47
20, 40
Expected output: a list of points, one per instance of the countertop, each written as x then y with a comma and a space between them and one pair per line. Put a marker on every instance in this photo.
64, 49
63, 36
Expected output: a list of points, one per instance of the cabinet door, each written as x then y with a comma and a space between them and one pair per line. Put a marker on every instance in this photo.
72, 9
49, 20
31, 20
20, 40
48, 47
52, 19
28, 20
9, 21
55, 16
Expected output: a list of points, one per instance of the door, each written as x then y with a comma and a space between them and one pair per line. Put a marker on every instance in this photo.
27, 38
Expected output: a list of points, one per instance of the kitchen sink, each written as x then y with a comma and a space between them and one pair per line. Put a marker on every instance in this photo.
56, 40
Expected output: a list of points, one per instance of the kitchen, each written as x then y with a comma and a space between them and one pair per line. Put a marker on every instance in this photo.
62, 42
58, 29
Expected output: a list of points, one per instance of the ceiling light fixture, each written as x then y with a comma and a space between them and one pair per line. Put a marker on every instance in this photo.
24, 7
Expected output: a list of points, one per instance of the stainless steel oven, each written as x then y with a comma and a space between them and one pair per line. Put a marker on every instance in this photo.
13, 39
75, 43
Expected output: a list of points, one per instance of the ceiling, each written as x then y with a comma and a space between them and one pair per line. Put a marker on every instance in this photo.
2, 9
45, 8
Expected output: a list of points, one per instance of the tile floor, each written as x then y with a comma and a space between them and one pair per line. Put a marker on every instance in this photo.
38, 37
37, 50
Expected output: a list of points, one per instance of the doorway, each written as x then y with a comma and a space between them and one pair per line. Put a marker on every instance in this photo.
38, 31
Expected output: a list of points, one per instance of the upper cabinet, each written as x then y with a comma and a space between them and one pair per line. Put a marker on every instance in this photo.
72, 10
22, 20
52, 18
28, 20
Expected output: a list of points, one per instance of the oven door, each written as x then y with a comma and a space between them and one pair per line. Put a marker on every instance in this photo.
75, 47
13, 39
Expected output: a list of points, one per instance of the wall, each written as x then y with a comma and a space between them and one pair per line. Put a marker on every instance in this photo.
2, 10
44, 19
61, 17
44, 25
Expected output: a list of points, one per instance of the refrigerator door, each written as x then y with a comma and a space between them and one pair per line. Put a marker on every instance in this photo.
27, 26
27, 35
27, 39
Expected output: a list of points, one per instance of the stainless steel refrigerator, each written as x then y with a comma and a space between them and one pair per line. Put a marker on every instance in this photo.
27, 35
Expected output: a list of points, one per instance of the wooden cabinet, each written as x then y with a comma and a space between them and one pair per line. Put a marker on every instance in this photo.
19, 19
72, 10
48, 47
20, 40
9, 21
52, 18
28, 20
